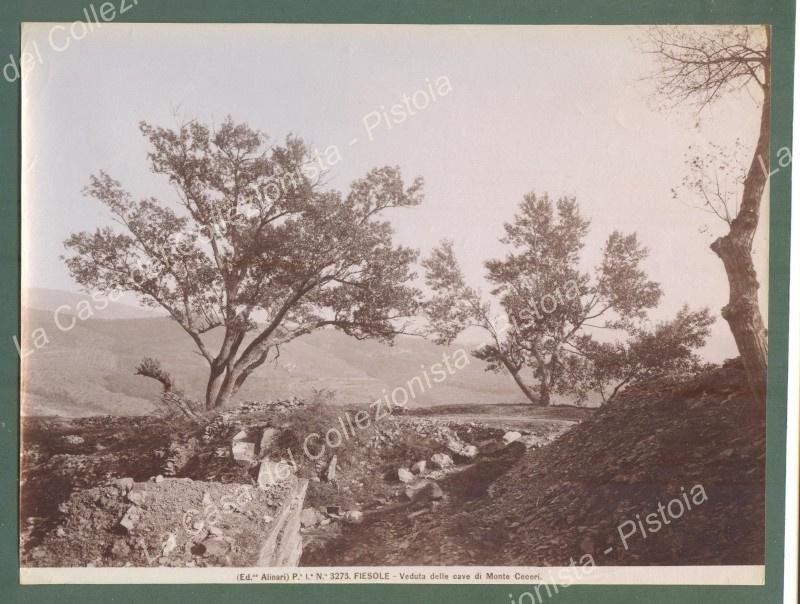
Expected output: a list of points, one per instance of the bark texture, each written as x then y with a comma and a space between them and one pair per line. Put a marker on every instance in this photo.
735, 250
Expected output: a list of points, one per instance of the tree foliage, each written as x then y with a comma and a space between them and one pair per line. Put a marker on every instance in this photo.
150, 367
667, 348
252, 244
547, 308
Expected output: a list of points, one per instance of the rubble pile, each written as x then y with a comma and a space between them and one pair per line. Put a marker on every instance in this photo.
156, 491
164, 522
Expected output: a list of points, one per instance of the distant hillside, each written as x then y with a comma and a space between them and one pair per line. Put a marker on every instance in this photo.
40, 298
88, 370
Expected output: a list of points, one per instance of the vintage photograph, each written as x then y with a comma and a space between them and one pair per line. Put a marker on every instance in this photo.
394, 303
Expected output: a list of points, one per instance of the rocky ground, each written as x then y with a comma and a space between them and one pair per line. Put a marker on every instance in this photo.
452, 486
140, 491
579, 495
164, 522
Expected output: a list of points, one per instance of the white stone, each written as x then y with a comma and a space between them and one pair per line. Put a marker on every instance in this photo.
419, 467
441, 460
130, 518
469, 451
169, 545
331, 473
137, 497
354, 517
531, 440
404, 475
455, 446
268, 437
243, 451
510, 437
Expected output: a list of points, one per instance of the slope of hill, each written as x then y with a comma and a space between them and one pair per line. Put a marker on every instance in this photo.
669, 474
88, 369
41, 298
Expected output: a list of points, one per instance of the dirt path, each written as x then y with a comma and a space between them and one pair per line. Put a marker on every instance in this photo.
507, 421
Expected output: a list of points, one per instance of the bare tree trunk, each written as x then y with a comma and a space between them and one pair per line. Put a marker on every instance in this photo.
526, 390
220, 387
735, 249
544, 393
228, 373
225, 392
213, 386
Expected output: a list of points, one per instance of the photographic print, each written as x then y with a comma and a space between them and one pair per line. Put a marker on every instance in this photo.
394, 303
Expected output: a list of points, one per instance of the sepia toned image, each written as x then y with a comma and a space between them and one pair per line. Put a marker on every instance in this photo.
394, 303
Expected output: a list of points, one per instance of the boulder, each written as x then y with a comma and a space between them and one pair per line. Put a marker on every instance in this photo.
510, 437
268, 438
419, 467
469, 452
404, 475
73, 439
531, 440
441, 460
273, 472
169, 545
131, 518
354, 517
309, 517
137, 497
454, 446
243, 451
216, 546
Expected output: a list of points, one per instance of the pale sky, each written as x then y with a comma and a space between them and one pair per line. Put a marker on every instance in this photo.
562, 110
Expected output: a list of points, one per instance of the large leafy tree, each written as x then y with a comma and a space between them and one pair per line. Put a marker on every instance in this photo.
545, 307
666, 348
252, 245
701, 65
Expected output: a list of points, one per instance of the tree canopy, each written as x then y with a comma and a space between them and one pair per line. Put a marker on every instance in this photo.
546, 308
252, 244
